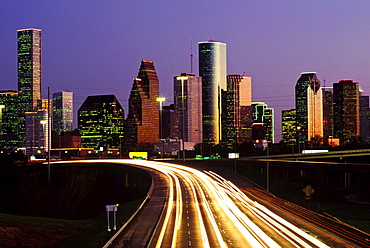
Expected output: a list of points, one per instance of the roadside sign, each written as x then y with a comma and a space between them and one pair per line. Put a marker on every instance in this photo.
308, 190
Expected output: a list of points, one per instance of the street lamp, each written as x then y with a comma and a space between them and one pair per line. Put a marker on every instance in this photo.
161, 100
298, 139
1, 125
202, 153
182, 78
260, 125
46, 144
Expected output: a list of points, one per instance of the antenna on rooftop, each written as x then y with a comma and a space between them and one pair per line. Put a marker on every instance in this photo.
324, 81
191, 55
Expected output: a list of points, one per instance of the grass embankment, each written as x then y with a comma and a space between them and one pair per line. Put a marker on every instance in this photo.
337, 206
23, 231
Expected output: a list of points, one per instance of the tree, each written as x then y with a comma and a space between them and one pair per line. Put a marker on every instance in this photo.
78, 183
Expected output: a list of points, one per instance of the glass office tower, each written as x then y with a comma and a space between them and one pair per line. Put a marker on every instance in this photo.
309, 113
101, 122
346, 99
212, 69
62, 112
237, 111
191, 86
29, 76
29, 69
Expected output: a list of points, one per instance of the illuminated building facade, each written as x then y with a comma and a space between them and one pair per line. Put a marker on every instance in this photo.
237, 111
212, 69
29, 74
142, 123
309, 114
101, 122
9, 118
346, 110
262, 122
62, 112
29, 68
192, 109
37, 132
288, 126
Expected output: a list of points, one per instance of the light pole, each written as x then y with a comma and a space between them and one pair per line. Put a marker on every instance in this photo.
161, 100
202, 153
260, 125
298, 139
182, 78
1, 125
46, 143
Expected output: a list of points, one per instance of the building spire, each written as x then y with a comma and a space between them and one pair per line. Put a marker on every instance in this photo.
191, 55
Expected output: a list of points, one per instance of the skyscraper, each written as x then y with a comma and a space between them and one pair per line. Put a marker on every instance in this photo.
237, 110
308, 98
37, 132
288, 126
191, 86
101, 122
9, 112
62, 112
142, 123
263, 122
212, 69
29, 69
346, 110
29, 76
365, 118
328, 114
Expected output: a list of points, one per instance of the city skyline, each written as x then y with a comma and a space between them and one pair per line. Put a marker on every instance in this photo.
94, 48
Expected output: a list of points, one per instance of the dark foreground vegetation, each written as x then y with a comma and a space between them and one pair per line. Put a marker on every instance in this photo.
70, 212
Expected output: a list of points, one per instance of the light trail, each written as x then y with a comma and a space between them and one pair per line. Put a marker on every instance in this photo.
219, 212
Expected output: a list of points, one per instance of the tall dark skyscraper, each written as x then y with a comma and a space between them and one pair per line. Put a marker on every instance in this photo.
142, 123
101, 122
29, 69
346, 101
212, 69
365, 118
328, 114
308, 98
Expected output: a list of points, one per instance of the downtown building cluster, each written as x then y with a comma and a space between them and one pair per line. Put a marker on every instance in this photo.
26, 117
209, 109
326, 116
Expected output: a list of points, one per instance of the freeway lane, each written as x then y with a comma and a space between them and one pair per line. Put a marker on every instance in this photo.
205, 210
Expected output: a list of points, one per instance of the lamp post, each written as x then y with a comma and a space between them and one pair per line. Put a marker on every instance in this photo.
202, 152
182, 78
260, 125
46, 144
298, 139
161, 100
1, 125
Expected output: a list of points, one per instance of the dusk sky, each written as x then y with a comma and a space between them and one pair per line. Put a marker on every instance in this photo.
95, 47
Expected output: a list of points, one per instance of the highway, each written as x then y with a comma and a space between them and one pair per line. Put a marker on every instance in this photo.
202, 209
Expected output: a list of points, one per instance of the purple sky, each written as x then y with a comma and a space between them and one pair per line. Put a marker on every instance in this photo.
95, 47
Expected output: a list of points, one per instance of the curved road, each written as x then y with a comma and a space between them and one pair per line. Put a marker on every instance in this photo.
199, 208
